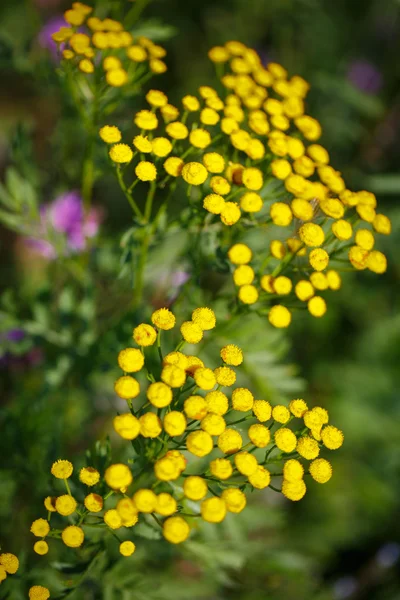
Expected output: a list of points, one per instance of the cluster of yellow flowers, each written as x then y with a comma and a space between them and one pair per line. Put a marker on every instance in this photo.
90, 41
188, 411
254, 139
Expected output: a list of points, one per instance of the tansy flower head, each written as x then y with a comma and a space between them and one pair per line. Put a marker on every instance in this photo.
62, 469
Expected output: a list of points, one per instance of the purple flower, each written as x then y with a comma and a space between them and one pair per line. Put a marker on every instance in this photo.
365, 76
44, 37
15, 335
64, 227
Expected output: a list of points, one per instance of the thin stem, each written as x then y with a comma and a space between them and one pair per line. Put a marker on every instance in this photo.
127, 193
160, 354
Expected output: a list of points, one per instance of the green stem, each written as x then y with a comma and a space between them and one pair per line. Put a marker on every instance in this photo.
160, 354
127, 193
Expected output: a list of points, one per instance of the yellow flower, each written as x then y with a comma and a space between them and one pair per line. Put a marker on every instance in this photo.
89, 476
251, 202
112, 519
190, 103
41, 547
221, 468
332, 437
214, 162
166, 505
159, 394
127, 548
377, 262
62, 469
110, 63
200, 138
191, 332
234, 499
281, 168
156, 98
204, 317
252, 179
333, 279
194, 173
127, 426
213, 510
117, 77
303, 210
279, 316
150, 425
261, 478
144, 335
195, 407
285, 439
205, 378
281, 214
195, 488
358, 257
230, 213
225, 376
146, 171
142, 143
230, 441
176, 530
73, 536
282, 285
280, 414
259, 435
177, 130
38, 592
294, 490
311, 234
293, 470
65, 505
136, 53
319, 259
307, 447
161, 146
9, 562
145, 119
240, 254
298, 407
93, 503
174, 165
217, 402
145, 500
213, 424
130, 360
382, 224
157, 66
214, 203
262, 410
243, 275
220, 185
74, 17
242, 399
304, 290
317, 306
199, 443
121, 153
110, 134
246, 463
342, 229
248, 294
321, 470
118, 476
174, 423
127, 387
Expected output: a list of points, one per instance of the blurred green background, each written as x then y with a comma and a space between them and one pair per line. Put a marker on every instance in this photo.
343, 540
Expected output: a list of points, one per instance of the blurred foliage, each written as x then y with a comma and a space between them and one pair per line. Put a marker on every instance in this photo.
343, 539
